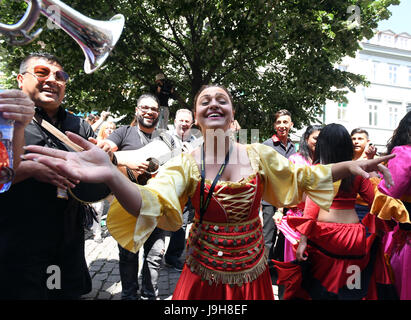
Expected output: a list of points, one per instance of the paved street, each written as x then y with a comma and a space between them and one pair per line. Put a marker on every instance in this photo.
102, 259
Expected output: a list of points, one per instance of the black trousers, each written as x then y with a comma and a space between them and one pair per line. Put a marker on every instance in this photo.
178, 238
274, 239
129, 265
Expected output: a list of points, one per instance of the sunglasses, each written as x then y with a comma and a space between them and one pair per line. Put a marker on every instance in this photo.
42, 73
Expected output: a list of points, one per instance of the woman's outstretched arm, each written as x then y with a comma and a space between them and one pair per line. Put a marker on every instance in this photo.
362, 167
91, 165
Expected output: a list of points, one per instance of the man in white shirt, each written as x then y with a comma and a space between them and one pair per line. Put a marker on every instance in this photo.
184, 141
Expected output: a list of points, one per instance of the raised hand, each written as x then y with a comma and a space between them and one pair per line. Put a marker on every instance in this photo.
16, 105
90, 165
370, 151
363, 167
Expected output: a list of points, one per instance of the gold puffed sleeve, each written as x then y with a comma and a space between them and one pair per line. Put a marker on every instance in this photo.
286, 182
163, 200
387, 208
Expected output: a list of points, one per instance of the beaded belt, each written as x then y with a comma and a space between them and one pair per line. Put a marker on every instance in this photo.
229, 253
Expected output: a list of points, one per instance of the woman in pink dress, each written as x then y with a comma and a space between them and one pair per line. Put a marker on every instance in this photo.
304, 156
398, 246
226, 181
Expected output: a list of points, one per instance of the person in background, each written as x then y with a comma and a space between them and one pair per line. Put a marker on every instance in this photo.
91, 119
304, 156
398, 242
134, 137
334, 240
182, 138
106, 128
363, 149
99, 121
280, 142
164, 91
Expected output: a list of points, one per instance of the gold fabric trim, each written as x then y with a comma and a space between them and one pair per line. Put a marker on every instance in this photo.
227, 224
228, 277
387, 208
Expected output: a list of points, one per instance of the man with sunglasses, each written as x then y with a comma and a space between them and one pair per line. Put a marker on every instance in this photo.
41, 233
138, 134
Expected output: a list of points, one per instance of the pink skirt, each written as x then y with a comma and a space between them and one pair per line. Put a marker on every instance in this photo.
398, 250
291, 236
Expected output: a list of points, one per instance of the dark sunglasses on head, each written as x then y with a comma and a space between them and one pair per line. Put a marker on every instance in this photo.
42, 73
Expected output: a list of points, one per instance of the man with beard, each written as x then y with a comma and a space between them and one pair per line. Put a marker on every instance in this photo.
133, 137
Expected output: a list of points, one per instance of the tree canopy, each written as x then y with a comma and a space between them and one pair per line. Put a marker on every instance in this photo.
271, 55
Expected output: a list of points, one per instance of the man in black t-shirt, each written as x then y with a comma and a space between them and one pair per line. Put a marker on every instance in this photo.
134, 137
41, 234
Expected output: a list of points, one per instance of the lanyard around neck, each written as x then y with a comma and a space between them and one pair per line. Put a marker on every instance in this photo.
204, 204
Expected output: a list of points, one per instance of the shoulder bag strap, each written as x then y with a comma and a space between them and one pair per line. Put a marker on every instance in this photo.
57, 133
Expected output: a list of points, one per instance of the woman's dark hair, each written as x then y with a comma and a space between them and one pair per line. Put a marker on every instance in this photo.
402, 134
334, 145
304, 149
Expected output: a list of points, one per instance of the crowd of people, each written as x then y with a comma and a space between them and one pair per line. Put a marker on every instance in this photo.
260, 214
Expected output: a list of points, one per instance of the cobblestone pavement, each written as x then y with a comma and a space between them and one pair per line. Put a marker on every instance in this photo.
102, 260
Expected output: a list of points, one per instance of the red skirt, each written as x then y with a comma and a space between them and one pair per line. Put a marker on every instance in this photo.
342, 264
190, 286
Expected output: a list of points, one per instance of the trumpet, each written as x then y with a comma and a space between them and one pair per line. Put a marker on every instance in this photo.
96, 38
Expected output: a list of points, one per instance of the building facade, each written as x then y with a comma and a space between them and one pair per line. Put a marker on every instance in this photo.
385, 60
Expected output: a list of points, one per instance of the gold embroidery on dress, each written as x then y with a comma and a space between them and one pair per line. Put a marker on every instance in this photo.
238, 205
228, 277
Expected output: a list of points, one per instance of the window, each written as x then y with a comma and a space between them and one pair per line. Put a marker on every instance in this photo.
375, 71
392, 74
373, 112
342, 111
393, 108
387, 39
402, 42
409, 76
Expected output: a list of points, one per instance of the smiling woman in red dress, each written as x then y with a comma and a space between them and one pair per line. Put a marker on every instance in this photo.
226, 180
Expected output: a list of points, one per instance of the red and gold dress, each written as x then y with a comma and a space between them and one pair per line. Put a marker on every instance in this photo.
343, 263
226, 257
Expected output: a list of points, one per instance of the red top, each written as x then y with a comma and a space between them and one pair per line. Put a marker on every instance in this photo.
344, 199
228, 247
